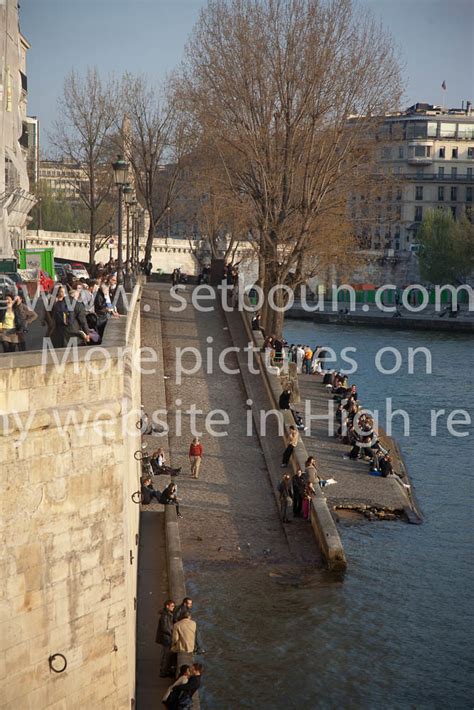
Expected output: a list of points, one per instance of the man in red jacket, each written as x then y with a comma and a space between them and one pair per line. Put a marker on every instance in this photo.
195, 456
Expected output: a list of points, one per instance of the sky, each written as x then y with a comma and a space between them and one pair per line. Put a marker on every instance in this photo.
435, 40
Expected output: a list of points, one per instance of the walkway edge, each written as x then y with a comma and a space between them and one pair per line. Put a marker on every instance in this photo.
174, 557
322, 522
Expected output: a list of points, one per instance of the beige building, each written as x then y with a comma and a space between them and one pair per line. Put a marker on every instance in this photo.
430, 150
63, 177
15, 198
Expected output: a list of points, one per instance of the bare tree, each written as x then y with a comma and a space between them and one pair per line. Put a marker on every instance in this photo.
154, 142
274, 85
210, 205
88, 110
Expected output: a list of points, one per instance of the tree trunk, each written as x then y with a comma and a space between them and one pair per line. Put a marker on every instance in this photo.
92, 238
149, 240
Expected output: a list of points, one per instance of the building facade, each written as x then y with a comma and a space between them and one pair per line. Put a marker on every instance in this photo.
430, 152
63, 178
15, 198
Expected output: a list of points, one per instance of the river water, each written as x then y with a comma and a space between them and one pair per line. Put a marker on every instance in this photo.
397, 631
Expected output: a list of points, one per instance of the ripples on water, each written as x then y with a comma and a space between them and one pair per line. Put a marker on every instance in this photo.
397, 633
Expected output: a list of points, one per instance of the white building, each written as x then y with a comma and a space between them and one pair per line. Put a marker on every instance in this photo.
15, 198
430, 151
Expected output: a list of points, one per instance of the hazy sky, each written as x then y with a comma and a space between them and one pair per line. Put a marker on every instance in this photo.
435, 37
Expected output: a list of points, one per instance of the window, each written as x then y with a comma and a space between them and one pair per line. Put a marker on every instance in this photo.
454, 173
441, 172
454, 153
419, 192
422, 151
418, 214
432, 128
454, 194
466, 130
469, 173
470, 152
398, 213
468, 194
442, 152
399, 193
386, 153
400, 151
447, 130
453, 211
440, 193
419, 173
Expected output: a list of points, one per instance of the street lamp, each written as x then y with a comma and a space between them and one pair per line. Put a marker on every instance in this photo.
129, 199
120, 168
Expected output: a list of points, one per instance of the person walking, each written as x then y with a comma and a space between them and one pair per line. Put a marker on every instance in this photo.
293, 438
285, 490
298, 492
164, 635
195, 457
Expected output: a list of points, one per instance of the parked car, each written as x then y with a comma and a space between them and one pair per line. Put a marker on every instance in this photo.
7, 285
18, 281
61, 272
79, 270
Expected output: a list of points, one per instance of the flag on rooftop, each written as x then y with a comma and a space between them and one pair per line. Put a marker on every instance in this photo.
443, 85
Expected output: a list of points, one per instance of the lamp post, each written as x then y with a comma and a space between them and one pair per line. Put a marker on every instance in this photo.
120, 168
129, 198
138, 227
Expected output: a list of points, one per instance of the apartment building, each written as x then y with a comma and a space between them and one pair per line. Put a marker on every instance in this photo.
429, 151
15, 198
63, 178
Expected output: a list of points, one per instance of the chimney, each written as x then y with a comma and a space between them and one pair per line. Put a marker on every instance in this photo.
468, 108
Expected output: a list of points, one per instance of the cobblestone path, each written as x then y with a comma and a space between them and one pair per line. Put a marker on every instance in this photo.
232, 504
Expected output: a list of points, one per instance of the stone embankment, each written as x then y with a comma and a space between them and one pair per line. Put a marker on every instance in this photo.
369, 315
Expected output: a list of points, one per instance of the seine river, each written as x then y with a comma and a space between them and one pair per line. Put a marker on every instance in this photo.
398, 631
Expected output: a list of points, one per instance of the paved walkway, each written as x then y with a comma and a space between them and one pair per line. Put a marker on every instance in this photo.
230, 513
354, 484
152, 570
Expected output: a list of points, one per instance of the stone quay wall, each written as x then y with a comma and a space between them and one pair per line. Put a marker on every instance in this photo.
69, 529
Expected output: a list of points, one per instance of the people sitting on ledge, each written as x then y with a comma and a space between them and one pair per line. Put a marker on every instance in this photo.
170, 497
148, 492
158, 463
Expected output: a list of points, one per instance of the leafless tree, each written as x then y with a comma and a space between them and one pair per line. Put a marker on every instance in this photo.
154, 141
88, 109
274, 84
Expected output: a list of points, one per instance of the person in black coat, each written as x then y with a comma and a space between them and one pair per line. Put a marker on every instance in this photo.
148, 492
164, 634
298, 486
385, 465
284, 401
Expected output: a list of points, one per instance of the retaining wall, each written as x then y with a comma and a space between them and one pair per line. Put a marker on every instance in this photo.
69, 529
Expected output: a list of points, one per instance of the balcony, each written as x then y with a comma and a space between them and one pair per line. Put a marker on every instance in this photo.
434, 177
420, 153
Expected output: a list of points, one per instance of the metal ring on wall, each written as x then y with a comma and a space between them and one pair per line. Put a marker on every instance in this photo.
134, 496
51, 660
